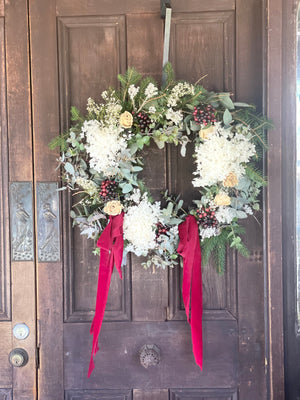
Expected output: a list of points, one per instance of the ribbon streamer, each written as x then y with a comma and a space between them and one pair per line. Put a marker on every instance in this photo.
111, 245
189, 249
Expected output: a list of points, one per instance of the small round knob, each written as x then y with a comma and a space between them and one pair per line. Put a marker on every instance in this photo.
18, 357
149, 355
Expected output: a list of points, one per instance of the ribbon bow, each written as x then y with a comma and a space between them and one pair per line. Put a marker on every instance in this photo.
111, 252
189, 249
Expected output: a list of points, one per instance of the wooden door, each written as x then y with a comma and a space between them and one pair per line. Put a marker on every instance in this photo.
77, 49
17, 267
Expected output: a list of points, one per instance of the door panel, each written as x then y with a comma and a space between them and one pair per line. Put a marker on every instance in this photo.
17, 267
80, 47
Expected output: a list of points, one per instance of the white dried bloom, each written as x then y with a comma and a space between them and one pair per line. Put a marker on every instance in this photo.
152, 110
135, 196
174, 116
150, 91
178, 91
93, 107
248, 209
104, 145
133, 91
87, 185
225, 214
139, 226
223, 153
209, 232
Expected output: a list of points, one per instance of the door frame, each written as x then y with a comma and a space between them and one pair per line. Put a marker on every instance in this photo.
276, 65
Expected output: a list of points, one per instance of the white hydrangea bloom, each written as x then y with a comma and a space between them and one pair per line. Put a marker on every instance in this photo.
178, 91
225, 214
174, 116
150, 91
104, 145
220, 155
248, 209
89, 186
135, 196
139, 226
209, 232
152, 110
112, 111
133, 91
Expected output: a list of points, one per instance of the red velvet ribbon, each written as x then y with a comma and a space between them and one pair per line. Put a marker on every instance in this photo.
189, 249
111, 252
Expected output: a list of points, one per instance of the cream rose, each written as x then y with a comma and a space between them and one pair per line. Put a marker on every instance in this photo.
205, 133
231, 180
222, 199
126, 120
113, 207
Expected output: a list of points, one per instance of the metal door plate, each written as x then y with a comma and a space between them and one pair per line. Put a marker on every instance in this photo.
48, 222
21, 221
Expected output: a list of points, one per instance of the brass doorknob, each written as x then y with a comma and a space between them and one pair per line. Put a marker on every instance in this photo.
18, 357
149, 355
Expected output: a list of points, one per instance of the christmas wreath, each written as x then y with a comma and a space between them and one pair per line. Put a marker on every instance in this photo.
101, 161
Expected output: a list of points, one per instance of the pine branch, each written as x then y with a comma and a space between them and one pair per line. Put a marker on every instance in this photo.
59, 141
255, 174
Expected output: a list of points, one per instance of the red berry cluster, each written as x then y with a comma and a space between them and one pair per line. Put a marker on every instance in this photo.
204, 114
161, 229
143, 121
206, 217
108, 189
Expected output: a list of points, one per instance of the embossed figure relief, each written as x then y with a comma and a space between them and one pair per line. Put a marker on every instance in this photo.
21, 221
48, 222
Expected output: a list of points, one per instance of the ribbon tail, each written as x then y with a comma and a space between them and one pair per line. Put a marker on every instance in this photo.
189, 249
111, 245
197, 307
105, 272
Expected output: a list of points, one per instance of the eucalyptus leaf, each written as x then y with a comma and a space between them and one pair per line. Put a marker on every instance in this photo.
227, 117
72, 214
183, 150
127, 188
69, 168
136, 168
160, 143
241, 214
238, 104
194, 127
226, 101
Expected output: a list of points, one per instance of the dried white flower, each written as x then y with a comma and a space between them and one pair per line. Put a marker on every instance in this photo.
133, 91
150, 91
178, 91
174, 116
248, 209
139, 226
225, 214
223, 153
104, 146
152, 110
209, 232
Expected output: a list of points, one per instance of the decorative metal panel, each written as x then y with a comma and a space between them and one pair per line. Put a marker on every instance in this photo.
5, 394
21, 221
204, 394
48, 222
113, 394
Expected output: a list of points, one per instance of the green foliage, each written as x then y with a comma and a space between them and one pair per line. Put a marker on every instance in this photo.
168, 69
59, 141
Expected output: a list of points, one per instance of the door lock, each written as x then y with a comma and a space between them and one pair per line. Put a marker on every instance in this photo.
18, 357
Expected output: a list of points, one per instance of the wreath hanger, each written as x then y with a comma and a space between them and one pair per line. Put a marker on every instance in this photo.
166, 13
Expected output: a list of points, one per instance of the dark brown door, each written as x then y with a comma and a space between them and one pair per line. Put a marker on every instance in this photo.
76, 50
17, 267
